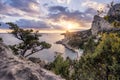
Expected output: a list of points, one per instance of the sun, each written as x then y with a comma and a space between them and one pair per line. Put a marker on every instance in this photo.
69, 26
66, 24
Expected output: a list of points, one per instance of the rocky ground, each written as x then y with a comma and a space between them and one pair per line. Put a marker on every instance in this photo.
14, 68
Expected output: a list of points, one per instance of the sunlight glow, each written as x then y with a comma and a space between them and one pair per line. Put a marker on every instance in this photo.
66, 24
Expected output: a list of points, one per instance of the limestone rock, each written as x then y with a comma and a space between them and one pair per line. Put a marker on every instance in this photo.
114, 10
14, 68
99, 24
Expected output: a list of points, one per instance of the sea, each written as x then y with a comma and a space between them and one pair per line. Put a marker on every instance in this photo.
46, 54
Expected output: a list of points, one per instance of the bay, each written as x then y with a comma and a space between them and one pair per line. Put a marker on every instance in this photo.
46, 54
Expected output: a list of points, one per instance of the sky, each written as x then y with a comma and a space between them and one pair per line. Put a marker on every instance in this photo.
51, 14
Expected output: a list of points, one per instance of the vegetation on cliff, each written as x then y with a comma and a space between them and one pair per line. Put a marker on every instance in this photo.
100, 60
102, 64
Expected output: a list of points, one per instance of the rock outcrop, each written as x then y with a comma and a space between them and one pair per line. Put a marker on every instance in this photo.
114, 10
14, 68
99, 24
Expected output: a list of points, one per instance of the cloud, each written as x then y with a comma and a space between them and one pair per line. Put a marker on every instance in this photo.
4, 26
93, 4
29, 9
64, 1
26, 5
24, 23
82, 18
55, 9
28, 13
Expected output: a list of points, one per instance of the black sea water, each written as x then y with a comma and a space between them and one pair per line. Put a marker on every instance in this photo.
46, 54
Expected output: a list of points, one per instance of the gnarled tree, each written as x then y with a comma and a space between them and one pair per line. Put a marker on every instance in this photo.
30, 41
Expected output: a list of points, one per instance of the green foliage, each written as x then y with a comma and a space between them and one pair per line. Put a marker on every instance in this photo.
102, 64
90, 46
114, 20
60, 66
1, 40
30, 41
110, 18
76, 42
116, 24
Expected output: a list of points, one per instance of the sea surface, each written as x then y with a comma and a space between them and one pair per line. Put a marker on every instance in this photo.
46, 54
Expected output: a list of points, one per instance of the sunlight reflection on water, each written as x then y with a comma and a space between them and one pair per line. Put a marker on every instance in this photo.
46, 54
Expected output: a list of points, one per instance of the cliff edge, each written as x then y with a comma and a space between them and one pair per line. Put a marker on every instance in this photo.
14, 68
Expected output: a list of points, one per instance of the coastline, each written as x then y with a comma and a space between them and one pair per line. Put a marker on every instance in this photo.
64, 43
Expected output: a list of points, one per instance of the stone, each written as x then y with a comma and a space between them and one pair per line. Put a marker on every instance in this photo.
99, 24
114, 10
14, 68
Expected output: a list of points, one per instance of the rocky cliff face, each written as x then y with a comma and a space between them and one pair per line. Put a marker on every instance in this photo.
99, 24
14, 68
114, 10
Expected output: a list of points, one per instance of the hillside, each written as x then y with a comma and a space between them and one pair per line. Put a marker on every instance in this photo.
101, 45
108, 23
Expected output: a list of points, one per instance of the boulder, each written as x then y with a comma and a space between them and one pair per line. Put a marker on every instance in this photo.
14, 68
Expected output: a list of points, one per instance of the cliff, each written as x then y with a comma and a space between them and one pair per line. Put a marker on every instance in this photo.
99, 24
14, 68
114, 10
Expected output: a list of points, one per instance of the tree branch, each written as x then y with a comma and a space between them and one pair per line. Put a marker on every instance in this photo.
32, 52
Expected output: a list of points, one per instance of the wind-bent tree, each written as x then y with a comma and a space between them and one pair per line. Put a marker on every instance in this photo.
30, 41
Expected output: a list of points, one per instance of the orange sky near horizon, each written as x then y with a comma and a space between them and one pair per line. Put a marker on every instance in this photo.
40, 31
